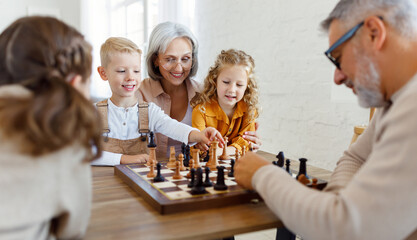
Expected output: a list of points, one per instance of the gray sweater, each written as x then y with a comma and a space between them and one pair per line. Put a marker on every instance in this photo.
372, 193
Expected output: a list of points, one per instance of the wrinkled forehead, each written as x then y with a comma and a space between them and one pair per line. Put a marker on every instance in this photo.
336, 30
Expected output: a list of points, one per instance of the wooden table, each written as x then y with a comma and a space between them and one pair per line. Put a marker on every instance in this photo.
119, 213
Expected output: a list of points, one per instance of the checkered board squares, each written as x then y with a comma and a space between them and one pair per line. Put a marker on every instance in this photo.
175, 189
172, 195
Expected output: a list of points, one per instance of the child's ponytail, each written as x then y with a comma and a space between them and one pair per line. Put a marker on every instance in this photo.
53, 114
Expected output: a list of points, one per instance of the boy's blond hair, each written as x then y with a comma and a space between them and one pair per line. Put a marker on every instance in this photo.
114, 45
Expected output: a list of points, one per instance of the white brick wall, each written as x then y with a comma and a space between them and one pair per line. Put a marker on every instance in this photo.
303, 115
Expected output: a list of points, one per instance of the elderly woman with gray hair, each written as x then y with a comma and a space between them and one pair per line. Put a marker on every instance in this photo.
171, 62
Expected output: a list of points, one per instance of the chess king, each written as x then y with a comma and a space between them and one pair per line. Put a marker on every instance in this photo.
372, 192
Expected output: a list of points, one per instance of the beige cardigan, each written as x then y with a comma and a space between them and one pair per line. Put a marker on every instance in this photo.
45, 197
372, 193
152, 91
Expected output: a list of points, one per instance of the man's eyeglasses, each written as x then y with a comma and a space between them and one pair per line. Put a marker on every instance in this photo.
348, 35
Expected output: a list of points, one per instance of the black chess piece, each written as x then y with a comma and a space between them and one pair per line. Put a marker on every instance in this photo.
207, 182
275, 163
287, 166
303, 168
183, 148
232, 169
220, 185
191, 183
187, 156
158, 177
207, 157
198, 187
151, 141
281, 159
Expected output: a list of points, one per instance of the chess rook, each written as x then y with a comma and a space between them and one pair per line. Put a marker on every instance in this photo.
303, 168
198, 187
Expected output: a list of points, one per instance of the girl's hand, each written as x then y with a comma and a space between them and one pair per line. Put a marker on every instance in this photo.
139, 158
253, 137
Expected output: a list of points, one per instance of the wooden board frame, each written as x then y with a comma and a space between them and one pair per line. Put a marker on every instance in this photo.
164, 205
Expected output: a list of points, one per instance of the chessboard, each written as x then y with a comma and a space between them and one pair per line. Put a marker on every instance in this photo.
173, 196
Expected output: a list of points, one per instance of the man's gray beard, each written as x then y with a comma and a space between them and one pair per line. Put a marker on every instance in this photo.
367, 84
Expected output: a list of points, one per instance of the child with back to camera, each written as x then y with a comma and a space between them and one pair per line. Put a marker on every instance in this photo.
48, 129
126, 118
229, 101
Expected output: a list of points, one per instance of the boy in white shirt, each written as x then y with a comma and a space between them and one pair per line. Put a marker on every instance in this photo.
126, 119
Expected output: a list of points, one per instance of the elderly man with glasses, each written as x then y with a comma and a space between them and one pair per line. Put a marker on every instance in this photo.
372, 193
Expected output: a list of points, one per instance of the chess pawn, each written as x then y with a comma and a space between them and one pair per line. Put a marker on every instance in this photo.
151, 173
236, 154
224, 155
177, 174
172, 160
181, 159
243, 150
287, 166
207, 182
191, 166
196, 157
158, 177
220, 184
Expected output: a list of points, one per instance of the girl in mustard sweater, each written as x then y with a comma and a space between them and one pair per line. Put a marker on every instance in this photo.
229, 100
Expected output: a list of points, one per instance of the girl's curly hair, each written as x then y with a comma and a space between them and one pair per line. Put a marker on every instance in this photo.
225, 59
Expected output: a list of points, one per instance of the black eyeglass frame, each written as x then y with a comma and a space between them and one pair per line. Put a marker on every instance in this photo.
348, 35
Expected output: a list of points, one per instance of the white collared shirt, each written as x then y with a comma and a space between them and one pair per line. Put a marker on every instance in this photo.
123, 125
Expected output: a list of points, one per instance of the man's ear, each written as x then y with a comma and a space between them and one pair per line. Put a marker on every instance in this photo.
102, 71
376, 30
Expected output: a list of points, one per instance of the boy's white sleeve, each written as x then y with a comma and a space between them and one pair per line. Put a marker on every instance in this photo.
162, 123
107, 159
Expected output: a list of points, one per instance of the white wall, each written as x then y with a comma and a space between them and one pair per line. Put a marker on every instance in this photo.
69, 11
304, 114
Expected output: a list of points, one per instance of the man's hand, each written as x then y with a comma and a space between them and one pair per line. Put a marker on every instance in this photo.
245, 168
253, 137
139, 158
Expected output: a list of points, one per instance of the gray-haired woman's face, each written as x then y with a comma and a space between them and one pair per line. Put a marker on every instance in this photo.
176, 62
